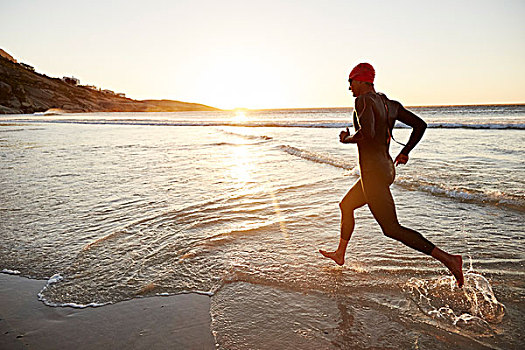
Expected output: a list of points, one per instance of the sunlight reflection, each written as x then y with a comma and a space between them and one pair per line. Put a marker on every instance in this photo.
242, 170
242, 166
280, 216
240, 117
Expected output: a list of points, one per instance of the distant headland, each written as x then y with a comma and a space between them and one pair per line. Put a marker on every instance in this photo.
23, 91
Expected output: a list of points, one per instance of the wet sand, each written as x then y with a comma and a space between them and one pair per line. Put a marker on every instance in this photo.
174, 322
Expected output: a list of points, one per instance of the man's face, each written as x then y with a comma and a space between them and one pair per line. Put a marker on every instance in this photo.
354, 87
357, 87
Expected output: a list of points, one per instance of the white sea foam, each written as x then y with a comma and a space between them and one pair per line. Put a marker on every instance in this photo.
73, 305
165, 294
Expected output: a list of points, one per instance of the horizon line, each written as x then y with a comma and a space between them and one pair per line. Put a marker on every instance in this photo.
407, 106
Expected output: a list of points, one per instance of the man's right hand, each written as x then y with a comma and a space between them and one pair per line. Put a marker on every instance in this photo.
401, 159
343, 135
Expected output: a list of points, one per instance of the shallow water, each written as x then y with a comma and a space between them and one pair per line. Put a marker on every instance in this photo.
111, 209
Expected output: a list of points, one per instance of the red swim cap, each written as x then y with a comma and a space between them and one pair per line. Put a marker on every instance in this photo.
363, 72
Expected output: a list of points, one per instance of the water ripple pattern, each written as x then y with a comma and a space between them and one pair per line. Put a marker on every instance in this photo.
111, 206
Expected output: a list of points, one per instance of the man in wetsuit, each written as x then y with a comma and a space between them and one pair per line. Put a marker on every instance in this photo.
374, 118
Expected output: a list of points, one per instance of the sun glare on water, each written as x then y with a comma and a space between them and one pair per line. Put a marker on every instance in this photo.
240, 117
242, 168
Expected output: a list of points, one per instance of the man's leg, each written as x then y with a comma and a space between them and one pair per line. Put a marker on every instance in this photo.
381, 204
351, 201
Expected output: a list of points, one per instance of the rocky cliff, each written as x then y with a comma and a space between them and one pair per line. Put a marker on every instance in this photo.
23, 90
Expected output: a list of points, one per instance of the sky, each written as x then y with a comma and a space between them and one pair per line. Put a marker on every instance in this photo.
276, 54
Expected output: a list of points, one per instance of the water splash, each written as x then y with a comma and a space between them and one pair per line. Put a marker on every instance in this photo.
473, 307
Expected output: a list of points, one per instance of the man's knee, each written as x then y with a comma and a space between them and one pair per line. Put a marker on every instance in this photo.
345, 208
392, 230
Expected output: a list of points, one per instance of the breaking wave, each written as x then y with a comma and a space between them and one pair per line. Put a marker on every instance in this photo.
495, 198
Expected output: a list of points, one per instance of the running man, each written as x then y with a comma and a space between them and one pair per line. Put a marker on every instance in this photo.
373, 119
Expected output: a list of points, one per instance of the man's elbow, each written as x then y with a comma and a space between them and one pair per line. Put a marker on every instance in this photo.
358, 137
422, 126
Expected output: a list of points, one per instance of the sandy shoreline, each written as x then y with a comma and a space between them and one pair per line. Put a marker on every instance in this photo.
174, 322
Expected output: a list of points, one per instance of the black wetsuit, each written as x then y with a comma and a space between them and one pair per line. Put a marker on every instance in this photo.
374, 119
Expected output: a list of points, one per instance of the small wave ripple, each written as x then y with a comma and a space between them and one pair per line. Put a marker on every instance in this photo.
247, 136
182, 250
317, 157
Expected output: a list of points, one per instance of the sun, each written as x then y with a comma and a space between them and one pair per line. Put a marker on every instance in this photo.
240, 76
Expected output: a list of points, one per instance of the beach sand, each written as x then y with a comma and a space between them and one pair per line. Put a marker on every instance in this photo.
174, 322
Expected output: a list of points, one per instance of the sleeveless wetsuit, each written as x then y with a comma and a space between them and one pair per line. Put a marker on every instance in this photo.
374, 118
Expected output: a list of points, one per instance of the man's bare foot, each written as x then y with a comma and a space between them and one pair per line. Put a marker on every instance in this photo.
453, 262
339, 260
456, 267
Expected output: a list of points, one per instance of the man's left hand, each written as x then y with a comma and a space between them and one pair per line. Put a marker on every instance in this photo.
343, 135
401, 159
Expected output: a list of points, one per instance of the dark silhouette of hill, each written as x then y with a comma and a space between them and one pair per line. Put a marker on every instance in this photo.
22, 90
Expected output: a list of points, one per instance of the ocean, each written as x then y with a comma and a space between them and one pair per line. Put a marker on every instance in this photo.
114, 206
